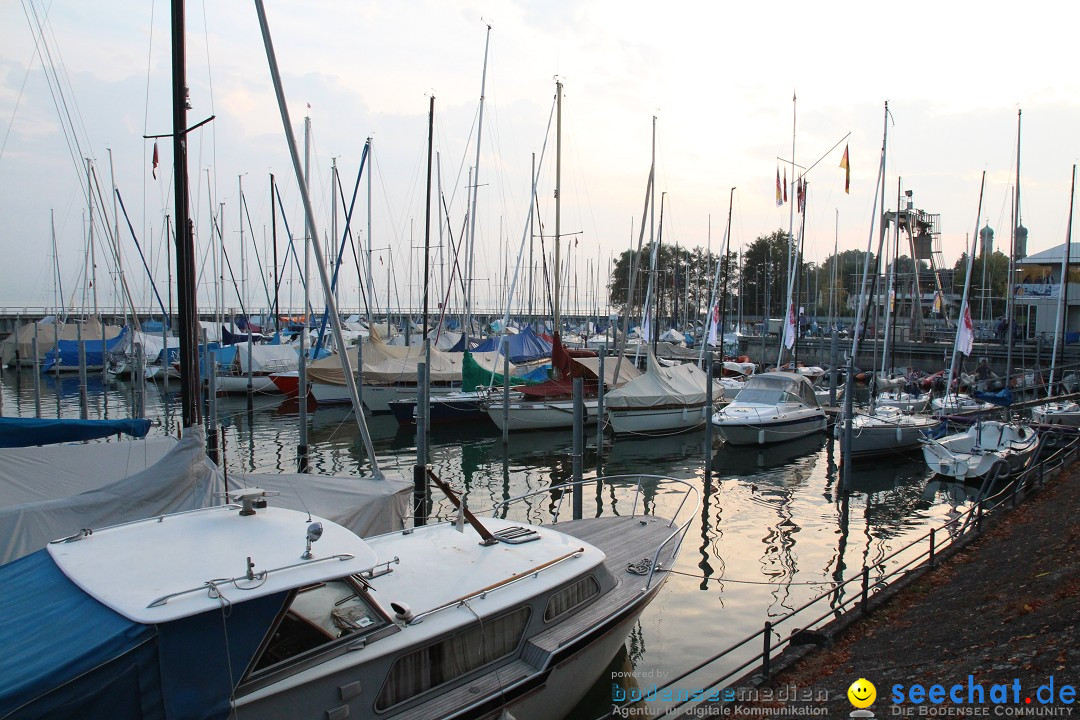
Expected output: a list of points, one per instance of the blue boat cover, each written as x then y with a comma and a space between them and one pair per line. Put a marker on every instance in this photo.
67, 655
1003, 397
24, 432
152, 326
66, 352
526, 346
174, 355
230, 338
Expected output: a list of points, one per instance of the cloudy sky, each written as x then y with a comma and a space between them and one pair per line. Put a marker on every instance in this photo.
719, 78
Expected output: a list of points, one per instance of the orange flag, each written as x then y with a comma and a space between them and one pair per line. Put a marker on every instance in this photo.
847, 171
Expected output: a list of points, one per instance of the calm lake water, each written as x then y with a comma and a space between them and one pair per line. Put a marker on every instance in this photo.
769, 536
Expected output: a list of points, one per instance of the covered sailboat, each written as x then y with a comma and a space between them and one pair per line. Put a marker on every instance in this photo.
661, 400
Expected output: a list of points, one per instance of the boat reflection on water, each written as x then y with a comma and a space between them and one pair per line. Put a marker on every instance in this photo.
749, 459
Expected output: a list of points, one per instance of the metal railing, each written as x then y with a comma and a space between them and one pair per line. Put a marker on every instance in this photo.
957, 530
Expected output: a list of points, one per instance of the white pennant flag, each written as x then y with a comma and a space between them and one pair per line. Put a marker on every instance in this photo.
965, 334
789, 327
712, 325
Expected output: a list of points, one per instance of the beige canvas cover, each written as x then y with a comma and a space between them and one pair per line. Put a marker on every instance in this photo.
22, 340
663, 386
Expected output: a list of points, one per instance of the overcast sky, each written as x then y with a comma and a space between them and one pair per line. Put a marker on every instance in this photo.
719, 77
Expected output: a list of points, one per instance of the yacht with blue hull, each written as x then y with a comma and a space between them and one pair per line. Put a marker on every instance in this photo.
253, 611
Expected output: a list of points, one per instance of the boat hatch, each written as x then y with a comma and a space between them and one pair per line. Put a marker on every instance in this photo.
516, 535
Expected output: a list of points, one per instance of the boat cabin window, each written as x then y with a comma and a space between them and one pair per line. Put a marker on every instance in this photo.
571, 597
452, 657
766, 396
320, 614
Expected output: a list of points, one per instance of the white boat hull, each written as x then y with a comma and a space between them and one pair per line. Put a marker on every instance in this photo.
1057, 413
376, 398
262, 384
538, 414
651, 421
885, 432
904, 401
972, 454
743, 426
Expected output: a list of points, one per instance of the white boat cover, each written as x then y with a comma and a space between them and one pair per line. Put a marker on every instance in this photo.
267, 358
673, 336
364, 505
52, 492
663, 386
153, 344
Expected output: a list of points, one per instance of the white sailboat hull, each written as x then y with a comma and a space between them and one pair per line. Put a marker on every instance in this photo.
239, 384
885, 432
538, 414
972, 454
1057, 413
376, 398
649, 421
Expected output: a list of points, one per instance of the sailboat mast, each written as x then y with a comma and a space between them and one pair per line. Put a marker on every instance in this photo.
90, 216
558, 199
727, 272
471, 249
1063, 303
427, 212
370, 284
1016, 230
191, 414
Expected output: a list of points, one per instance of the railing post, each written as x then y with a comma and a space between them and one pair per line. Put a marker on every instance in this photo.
865, 588
932, 549
978, 516
767, 650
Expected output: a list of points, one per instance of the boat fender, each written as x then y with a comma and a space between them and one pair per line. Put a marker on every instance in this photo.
402, 612
899, 435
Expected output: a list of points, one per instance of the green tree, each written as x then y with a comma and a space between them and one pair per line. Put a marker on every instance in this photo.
765, 274
995, 289
678, 269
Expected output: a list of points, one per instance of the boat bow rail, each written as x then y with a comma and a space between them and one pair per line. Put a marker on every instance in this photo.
679, 521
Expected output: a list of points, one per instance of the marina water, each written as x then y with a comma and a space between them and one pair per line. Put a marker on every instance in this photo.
771, 533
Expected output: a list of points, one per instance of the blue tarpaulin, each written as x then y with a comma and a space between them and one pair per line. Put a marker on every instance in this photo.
67, 655
1003, 397
24, 432
526, 346
66, 352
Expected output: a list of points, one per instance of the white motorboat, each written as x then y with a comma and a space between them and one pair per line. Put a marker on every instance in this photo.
1057, 413
885, 429
271, 613
904, 401
974, 452
773, 407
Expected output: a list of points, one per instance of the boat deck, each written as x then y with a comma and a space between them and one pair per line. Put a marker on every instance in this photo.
624, 540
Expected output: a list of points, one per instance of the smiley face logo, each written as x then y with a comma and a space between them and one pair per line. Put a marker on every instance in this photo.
862, 693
